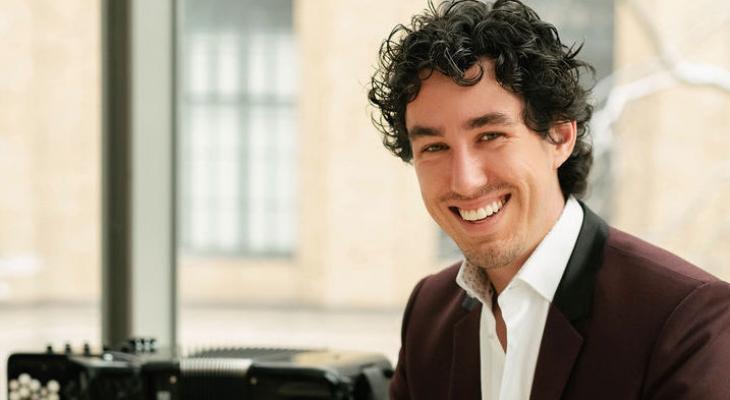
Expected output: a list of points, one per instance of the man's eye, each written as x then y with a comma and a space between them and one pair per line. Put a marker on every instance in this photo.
487, 137
432, 148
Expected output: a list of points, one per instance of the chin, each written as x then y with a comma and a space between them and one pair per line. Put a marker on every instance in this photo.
496, 254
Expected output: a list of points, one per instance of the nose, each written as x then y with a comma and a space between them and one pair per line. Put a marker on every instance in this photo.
468, 174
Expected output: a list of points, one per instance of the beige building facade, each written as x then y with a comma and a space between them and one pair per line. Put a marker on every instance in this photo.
50, 154
672, 169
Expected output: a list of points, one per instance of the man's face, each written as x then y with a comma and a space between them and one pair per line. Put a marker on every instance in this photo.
487, 179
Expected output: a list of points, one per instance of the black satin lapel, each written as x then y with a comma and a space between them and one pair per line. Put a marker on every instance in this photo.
465, 381
561, 342
574, 296
559, 350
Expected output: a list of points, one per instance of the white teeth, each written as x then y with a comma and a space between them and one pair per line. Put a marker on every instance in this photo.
481, 213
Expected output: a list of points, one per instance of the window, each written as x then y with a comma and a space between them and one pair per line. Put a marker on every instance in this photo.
238, 128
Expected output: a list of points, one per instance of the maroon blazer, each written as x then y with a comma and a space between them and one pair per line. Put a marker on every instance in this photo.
628, 321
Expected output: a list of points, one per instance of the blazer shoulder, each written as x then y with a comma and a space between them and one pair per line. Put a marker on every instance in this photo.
641, 258
646, 284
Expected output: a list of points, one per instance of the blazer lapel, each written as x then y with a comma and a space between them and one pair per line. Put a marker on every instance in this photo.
559, 349
561, 342
465, 373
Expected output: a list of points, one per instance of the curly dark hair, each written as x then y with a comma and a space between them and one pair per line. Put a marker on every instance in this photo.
529, 60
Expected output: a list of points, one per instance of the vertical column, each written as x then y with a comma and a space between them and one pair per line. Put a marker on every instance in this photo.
139, 279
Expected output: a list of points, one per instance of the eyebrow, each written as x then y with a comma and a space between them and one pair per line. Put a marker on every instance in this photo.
421, 131
490, 118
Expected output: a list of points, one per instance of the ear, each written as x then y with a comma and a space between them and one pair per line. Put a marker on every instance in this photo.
563, 135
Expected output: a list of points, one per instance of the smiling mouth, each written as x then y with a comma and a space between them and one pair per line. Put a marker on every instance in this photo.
482, 213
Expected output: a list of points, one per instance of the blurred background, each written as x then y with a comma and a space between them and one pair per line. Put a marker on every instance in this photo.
293, 225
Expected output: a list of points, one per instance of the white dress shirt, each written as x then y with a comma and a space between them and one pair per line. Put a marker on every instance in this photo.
507, 375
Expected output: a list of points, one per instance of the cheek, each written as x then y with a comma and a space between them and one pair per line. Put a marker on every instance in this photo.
428, 180
530, 168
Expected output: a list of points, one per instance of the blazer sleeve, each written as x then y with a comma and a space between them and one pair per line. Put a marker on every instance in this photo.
691, 358
399, 389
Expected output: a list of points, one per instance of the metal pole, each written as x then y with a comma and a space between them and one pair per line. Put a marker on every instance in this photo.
116, 142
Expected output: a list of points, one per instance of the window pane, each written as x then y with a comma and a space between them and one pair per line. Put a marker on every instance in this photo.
237, 128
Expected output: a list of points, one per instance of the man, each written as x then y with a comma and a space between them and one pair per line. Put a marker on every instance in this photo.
549, 303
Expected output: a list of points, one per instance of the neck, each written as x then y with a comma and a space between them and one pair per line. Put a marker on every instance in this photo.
501, 277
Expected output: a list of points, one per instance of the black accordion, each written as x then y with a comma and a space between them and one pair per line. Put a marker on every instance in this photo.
139, 371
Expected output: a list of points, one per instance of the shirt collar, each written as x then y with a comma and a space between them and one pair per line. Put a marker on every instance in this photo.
475, 282
545, 266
